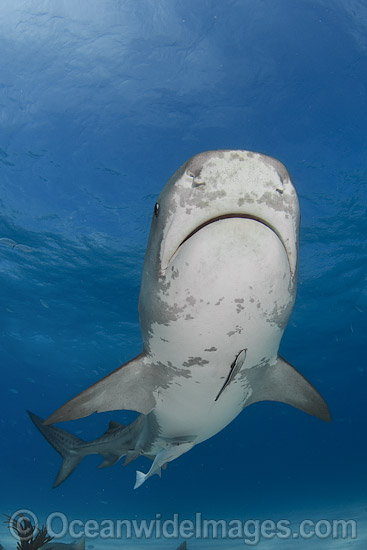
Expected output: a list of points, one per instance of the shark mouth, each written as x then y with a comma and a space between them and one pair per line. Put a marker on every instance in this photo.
229, 216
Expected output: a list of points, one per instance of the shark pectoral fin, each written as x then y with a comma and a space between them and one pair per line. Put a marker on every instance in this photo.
282, 382
130, 387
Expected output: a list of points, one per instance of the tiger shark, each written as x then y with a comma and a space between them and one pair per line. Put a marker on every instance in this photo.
218, 286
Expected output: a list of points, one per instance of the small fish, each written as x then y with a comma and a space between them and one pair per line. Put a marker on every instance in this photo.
24, 248
8, 242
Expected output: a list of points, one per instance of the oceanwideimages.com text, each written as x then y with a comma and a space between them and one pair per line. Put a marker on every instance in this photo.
251, 531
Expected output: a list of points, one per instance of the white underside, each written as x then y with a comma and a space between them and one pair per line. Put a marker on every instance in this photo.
229, 286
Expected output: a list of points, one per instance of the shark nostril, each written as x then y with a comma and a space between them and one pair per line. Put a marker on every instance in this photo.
197, 182
280, 191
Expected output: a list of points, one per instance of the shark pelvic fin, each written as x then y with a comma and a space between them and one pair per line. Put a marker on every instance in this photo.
130, 387
132, 455
109, 459
67, 445
282, 382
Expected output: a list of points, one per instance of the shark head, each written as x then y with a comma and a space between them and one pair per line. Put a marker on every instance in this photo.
222, 184
214, 186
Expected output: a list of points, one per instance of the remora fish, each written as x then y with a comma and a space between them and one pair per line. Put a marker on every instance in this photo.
218, 286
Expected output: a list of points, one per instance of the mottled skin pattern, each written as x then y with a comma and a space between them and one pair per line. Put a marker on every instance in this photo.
218, 286
230, 286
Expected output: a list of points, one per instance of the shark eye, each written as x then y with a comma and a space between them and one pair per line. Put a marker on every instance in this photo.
156, 209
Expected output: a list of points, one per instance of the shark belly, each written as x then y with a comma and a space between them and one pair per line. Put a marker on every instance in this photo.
228, 289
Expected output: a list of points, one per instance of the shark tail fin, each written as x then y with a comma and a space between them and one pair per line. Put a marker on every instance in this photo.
282, 382
67, 445
140, 478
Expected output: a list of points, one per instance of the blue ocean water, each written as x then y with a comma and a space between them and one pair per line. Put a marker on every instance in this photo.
100, 103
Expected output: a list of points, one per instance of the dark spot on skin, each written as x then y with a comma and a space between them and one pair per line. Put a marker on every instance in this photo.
195, 361
238, 330
163, 339
175, 273
237, 156
211, 349
191, 300
171, 373
188, 317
